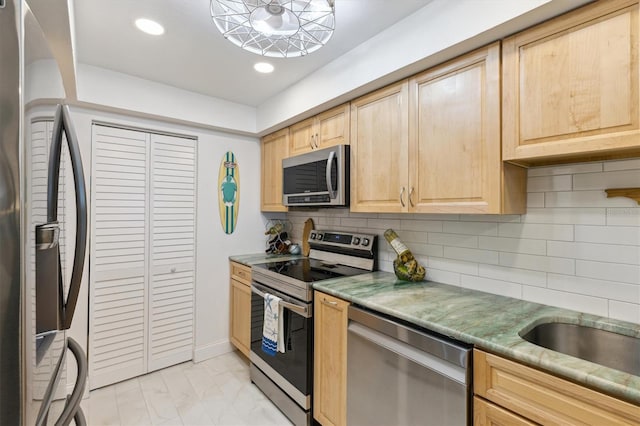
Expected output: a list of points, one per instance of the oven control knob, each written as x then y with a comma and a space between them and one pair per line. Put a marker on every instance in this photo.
318, 236
365, 242
313, 236
356, 240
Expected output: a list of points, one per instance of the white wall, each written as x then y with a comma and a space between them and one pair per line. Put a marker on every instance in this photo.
112, 89
574, 248
213, 246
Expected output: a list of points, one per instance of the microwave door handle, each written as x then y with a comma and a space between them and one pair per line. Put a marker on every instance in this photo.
333, 193
81, 217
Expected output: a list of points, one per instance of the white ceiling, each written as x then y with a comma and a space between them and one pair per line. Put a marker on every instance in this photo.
193, 55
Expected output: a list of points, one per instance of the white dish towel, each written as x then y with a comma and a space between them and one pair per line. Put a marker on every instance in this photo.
272, 329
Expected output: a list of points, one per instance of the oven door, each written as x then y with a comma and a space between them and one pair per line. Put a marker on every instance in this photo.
291, 370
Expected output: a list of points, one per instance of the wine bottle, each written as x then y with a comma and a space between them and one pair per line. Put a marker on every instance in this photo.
403, 251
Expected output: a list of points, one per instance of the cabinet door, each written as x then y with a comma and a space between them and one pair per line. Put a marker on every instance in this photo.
379, 150
571, 86
332, 127
119, 253
330, 360
302, 137
275, 147
455, 161
240, 326
172, 244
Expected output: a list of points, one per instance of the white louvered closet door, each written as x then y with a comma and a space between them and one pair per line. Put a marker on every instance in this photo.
172, 244
119, 255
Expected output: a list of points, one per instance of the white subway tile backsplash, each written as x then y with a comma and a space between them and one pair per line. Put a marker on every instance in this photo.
487, 285
536, 231
604, 180
549, 183
521, 276
535, 199
471, 255
574, 248
441, 276
421, 225
353, 222
561, 299
582, 199
468, 268
628, 216
624, 311
577, 216
613, 290
633, 164
608, 271
455, 240
514, 245
592, 251
565, 169
470, 228
538, 263
626, 235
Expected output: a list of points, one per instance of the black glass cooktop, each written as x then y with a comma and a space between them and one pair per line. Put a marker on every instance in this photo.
311, 270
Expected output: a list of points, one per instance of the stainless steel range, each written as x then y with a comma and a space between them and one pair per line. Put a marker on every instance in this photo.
287, 378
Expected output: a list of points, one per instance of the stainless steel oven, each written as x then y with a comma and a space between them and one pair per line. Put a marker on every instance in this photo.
287, 377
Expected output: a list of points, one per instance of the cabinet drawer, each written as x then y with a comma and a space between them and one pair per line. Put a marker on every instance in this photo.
544, 398
241, 273
488, 414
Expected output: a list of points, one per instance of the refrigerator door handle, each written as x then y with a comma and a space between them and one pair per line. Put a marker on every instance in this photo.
81, 217
62, 123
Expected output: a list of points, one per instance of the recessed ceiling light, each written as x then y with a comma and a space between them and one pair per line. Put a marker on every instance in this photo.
150, 27
263, 67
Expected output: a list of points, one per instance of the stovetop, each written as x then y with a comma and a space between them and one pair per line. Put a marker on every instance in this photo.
311, 270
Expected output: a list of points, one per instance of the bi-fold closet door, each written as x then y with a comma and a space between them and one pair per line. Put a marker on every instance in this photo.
142, 253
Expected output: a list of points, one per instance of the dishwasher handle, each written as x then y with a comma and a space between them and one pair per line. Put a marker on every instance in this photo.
424, 359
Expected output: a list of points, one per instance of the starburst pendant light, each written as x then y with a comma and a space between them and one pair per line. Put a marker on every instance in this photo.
275, 28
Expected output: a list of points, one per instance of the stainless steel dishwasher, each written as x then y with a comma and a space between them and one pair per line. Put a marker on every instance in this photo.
400, 375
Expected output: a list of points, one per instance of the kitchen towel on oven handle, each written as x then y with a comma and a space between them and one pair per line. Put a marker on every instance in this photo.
272, 329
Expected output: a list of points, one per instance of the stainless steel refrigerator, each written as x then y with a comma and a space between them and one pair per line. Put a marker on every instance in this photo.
38, 295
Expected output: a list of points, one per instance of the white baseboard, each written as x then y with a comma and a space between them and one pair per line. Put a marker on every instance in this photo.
212, 350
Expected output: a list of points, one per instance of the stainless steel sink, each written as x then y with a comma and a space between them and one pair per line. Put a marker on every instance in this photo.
602, 347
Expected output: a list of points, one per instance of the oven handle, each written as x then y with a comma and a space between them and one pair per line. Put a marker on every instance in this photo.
298, 309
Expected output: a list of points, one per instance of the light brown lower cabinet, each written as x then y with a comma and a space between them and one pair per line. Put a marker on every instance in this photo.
240, 307
532, 395
330, 360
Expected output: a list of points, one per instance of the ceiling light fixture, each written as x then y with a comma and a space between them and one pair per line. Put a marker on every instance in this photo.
263, 67
275, 28
150, 27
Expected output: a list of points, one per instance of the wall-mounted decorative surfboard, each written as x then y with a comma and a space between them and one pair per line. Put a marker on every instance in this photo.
229, 192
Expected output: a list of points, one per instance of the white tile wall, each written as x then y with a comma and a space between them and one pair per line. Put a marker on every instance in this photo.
574, 248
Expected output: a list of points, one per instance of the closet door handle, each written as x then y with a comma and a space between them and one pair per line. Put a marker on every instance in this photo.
401, 199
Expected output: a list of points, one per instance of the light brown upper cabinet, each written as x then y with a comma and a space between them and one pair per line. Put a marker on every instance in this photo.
455, 161
432, 144
275, 147
327, 129
379, 150
570, 87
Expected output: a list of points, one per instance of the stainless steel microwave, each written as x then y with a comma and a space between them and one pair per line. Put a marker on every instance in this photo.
317, 178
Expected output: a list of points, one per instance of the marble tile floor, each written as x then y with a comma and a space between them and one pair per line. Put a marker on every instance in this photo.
213, 392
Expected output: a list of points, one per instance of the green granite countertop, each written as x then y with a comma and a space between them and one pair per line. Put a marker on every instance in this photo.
253, 259
488, 321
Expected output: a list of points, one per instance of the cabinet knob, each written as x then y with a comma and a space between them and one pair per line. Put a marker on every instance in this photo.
173, 270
